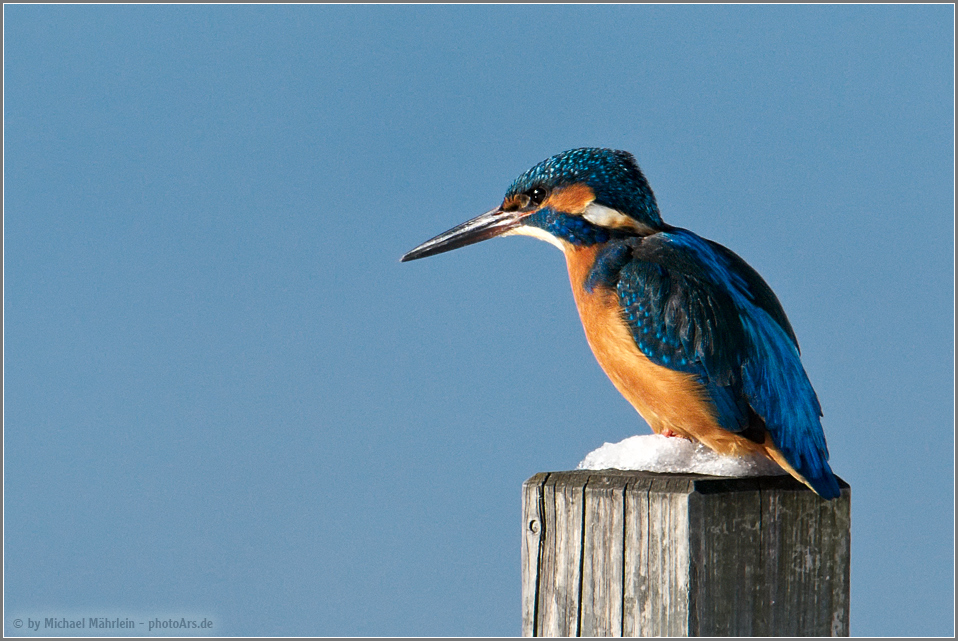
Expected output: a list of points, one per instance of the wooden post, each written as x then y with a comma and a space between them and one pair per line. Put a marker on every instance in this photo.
613, 553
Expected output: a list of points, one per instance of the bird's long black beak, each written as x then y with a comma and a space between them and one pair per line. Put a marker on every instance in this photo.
488, 225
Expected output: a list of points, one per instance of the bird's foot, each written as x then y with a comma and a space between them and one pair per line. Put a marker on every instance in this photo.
668, 433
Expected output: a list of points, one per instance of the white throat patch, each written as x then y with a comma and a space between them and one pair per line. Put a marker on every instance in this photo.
541, 234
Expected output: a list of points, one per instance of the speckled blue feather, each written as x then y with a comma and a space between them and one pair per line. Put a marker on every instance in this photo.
695, 307
614, 177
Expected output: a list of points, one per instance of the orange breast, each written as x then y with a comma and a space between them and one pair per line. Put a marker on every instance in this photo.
666, 399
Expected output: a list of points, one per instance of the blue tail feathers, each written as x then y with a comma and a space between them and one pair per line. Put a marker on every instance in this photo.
779, 391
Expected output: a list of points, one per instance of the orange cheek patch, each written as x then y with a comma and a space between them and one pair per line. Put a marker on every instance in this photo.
570, 200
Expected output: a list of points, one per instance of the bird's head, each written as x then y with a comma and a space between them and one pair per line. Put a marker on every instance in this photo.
579, 197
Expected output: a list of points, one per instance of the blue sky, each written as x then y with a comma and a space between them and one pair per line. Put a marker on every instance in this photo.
226, 398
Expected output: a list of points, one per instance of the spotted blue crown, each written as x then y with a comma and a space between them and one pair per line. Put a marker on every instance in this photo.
613, 176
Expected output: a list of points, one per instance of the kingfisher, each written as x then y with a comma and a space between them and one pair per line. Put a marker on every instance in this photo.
686, 330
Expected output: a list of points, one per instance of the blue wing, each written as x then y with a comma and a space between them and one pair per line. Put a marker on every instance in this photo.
696, 307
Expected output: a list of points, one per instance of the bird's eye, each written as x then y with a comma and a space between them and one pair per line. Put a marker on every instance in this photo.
537, 195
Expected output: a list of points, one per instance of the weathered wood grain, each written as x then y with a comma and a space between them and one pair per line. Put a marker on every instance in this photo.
636, 600
639, 554
807, 547
603, 556
532, 530
725, 539
564, 503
